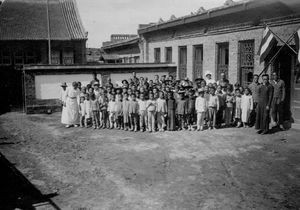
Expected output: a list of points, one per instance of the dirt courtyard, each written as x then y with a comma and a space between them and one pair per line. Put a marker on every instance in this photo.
111, 169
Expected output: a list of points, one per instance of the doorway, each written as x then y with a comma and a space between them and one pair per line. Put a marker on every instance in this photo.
198, 61
182, 62
283, 65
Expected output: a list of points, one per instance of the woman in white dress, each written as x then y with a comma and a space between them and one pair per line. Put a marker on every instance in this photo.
72, 107
63, 102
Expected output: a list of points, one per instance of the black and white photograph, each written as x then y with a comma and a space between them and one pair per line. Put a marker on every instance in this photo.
149, 105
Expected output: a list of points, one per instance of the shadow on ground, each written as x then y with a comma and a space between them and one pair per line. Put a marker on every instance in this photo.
17, 192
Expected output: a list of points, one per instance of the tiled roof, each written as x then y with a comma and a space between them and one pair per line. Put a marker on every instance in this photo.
27, 20
121, 43
256, 9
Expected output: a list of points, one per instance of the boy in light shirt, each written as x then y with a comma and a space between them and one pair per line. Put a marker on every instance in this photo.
133, 112
143, 113
126, 104
213, 107
112, 110
201, 108
151, 111
161, 111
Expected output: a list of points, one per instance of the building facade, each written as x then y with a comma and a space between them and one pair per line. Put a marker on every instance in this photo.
37, 32
121, 49
227, 39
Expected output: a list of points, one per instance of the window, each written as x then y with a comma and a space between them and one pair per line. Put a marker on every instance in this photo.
168, 54
157, 55
68, 56
246, 61
30, 57
136, 59
223, 59
5, 57
19, 57
55, 57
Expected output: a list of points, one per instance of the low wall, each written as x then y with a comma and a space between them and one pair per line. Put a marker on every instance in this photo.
42, 82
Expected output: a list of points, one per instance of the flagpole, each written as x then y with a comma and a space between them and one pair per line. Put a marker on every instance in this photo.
275, 56
282, 40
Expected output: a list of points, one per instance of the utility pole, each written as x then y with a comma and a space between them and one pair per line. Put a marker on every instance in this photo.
49, 36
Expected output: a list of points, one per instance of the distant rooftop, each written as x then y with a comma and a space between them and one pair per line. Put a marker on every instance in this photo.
116, 39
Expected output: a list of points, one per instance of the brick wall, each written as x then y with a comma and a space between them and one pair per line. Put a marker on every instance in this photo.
209, 48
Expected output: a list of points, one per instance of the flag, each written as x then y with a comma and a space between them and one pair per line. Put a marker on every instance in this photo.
267, 44
297, 42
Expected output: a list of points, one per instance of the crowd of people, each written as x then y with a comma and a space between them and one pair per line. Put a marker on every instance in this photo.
140, 104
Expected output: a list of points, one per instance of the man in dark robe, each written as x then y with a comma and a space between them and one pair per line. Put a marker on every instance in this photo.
265, 96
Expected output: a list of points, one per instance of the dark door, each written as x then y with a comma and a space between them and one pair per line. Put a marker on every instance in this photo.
182, 62
283, 66
198, 61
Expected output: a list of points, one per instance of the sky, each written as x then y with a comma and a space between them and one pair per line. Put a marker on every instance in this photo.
101, 18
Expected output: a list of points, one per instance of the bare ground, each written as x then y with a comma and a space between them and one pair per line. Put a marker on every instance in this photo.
112, 169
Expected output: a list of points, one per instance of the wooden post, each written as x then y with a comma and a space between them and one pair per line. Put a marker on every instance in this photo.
49, 36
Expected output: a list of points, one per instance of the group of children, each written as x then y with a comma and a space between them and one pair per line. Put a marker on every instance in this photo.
166, 105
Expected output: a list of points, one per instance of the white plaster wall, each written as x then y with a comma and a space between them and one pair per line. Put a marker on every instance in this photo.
48, 86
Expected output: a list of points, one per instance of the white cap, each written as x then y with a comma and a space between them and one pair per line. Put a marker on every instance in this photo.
207, 72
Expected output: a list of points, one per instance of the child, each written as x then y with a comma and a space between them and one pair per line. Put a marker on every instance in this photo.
104, 113
161, 111
171, 104
143, 113
213, 107
87, 109
126, 104
133, 112
201, 108
238, 110
191, 109
112, 110
229, 107
151, 108
91, 91
95, 111
221, 112
181, 111
119, 112
82, 111
246, 106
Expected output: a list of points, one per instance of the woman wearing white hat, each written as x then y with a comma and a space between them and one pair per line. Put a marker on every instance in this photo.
208, 78
72, 108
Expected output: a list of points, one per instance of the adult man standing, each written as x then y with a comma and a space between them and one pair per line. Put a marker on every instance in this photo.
223, 81
265, 96
95, 79
278, 100
254, 90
